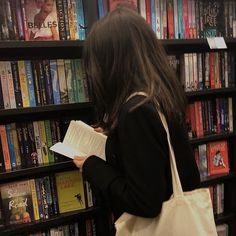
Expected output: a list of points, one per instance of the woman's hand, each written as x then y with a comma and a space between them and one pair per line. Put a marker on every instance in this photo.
79, 161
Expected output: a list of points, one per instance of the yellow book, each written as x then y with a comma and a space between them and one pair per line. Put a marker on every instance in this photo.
70, 191
34, 199
23, 84
43, 138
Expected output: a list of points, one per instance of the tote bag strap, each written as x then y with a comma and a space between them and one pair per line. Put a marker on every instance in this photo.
176, 184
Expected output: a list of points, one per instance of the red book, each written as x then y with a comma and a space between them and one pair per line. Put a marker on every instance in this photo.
217, 156
130, 3
148, 12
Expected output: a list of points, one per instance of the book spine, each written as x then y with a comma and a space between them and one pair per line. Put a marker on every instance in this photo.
5, 92
19, 131
49, 140
39, 197
10, 84
65, 12
15, 144
61, 20
69, 79
34, 199
5, 149
47, 186
11, 146
55, 82
54, 194
19, 20
23, 84
36, 83
27, 145
16, 82
81, 19
2, 166
30, 82
38, 144
43, 141
48, 82
32, 144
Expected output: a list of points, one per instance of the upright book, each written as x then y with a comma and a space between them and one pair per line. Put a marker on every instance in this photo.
81, 140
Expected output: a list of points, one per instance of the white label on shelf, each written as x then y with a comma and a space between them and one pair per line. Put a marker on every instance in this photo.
216, 43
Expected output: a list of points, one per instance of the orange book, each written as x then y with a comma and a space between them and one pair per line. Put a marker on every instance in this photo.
218, 157
5, 149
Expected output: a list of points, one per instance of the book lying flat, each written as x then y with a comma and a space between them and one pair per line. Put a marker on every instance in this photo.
81, 140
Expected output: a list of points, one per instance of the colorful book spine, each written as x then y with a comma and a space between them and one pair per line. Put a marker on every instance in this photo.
49, 141
10, 84
11, 146
5, 149
69, 80
61, 20
23, 84
34, 199
44, 148
30, 81
38, 144
16, 144
55, 82
81, 20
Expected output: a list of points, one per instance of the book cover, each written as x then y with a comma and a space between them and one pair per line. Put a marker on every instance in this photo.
81, 140
17, 202
218, 160
41, 20
213, 18
70, 191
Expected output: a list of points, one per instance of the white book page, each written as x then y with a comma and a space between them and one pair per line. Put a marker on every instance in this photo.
85, 139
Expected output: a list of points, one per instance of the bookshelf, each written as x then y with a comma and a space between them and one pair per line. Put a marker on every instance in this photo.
68, 49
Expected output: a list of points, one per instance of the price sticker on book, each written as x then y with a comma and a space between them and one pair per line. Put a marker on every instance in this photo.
216, 43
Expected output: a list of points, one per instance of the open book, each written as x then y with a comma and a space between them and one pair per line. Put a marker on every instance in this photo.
81, 140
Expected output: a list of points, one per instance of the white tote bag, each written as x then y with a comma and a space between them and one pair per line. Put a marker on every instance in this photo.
184, 214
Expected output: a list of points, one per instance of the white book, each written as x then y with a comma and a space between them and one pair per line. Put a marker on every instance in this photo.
81, 140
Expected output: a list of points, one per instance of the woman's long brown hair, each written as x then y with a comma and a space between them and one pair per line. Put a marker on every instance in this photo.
122, 55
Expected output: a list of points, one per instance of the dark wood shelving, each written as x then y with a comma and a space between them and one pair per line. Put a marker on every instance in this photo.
36, 171
215, 179
51, 111
61, 219
73, 48
40, 49
224, 218
212, 137
203, 94
179, 46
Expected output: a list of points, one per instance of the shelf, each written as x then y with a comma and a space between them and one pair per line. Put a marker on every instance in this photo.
212, 137
180, 46
203, 94
73, 48
56, 111
224, 218
33, 172
62, 219
215, 179
40, 49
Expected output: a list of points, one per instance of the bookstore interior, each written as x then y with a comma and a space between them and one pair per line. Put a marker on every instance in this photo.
43, 88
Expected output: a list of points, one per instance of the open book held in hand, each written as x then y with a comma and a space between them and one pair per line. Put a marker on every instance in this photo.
81, 140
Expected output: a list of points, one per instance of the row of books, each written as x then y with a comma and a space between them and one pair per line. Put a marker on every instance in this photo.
41, 198
182, 19
26, 144
82, 228
212, 158
42, 82
210, 70
210, 116
217, 196
42, 20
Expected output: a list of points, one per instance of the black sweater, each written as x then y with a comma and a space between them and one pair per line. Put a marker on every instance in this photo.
136, 177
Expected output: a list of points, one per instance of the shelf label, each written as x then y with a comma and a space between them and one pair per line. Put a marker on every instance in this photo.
216, 43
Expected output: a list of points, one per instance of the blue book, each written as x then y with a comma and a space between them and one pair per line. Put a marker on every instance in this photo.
81, 21
11, 146
100, 8
55, 82
30, 80
153, 15
180, 19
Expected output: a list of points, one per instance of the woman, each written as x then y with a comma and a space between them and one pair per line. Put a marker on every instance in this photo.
123, 58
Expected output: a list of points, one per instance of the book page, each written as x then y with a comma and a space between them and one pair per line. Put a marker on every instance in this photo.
84, 139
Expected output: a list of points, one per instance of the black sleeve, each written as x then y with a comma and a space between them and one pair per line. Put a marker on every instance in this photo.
143, 147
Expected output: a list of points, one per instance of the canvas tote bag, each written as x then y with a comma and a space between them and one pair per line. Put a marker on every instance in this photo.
184, 214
